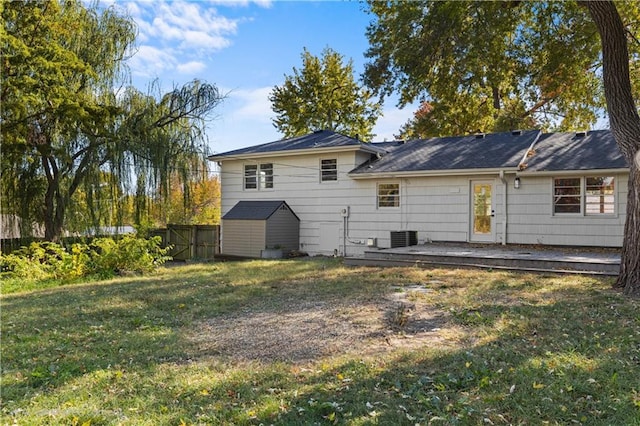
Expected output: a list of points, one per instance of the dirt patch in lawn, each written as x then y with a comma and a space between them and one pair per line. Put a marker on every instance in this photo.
308, 330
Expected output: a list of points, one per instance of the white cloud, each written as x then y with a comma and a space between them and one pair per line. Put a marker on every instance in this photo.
245, 119
190, 24
192, 67
177, 36
253, 104
203, 40
266, 4
150, 61
391, 121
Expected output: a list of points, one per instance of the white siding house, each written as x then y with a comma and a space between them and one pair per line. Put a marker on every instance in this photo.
349, 195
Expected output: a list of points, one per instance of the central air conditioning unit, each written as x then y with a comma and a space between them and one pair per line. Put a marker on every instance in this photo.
404, 238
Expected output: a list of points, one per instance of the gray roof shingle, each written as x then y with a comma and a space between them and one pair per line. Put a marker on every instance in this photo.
319, 139
551, 152
595, 150
492, 151
255, 210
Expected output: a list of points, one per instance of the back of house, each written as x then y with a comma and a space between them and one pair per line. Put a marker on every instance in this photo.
521, 187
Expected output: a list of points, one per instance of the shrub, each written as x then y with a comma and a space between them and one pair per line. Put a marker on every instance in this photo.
39, 260
104, 257
126, 255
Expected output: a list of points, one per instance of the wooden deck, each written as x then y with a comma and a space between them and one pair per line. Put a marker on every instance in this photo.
596, 261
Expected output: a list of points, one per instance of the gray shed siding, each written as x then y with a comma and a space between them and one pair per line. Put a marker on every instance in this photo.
283, 229
254, 226
243, 237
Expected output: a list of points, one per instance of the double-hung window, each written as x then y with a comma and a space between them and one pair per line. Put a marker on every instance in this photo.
599, 195
258, 176
388, 195
329, 170
590, 195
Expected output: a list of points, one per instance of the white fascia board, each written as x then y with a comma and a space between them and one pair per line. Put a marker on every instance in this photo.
421, 173
571, 172
289, 153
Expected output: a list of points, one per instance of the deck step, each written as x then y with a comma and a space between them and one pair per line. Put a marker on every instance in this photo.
535, 262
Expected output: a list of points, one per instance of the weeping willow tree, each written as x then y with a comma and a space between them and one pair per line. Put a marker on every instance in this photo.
67, 134
163, 142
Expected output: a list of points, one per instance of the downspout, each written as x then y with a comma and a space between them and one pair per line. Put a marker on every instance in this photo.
345, 223
505, 186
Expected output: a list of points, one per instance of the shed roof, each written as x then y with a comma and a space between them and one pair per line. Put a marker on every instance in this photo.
256, 210
593, 150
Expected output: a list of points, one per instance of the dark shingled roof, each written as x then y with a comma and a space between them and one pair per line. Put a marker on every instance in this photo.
594, 150
539, 152
319, 139
491, 151
255, 210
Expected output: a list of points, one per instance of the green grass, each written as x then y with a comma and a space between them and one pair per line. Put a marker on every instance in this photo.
522, 349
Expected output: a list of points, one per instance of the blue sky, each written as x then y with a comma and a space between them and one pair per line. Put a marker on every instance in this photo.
246, 48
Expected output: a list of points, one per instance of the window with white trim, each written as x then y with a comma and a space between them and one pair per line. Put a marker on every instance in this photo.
590, 195
388, 195
329, 170
258, 176
600, 195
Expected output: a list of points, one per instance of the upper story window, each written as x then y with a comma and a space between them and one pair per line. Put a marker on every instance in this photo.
258, 176
388, 195
593, 195
329, 170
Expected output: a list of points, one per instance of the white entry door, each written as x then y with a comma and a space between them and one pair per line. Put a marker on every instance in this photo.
482, 211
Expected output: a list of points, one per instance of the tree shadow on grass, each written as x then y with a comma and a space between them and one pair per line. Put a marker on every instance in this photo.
56, 335
569, 360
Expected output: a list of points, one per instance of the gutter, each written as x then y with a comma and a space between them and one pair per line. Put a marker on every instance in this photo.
529, 172
424, 173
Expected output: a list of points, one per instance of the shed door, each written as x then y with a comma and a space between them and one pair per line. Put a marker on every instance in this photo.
482, 211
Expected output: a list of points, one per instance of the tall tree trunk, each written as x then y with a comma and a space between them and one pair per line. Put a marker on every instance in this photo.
625, 125
54, 202
54, 218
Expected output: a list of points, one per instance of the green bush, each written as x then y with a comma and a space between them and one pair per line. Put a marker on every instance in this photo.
126, 255
103, 257
39, 260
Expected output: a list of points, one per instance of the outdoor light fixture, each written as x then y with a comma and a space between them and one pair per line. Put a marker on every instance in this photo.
516, 183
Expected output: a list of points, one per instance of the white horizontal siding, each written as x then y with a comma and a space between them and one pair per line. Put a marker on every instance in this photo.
436, 207
531, 219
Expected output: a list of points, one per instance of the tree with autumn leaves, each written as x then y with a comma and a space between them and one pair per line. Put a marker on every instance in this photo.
490, 66
73, 131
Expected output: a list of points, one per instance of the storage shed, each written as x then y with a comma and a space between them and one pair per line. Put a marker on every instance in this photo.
250, 227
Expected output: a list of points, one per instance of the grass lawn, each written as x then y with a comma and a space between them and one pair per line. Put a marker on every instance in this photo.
310, 341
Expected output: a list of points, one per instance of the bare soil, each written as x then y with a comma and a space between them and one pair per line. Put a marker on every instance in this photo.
307, 330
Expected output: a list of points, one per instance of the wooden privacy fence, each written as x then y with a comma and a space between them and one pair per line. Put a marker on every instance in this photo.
190, 242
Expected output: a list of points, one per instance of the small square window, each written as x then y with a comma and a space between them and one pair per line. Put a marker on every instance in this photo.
328, 170
258, 176
388, 195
